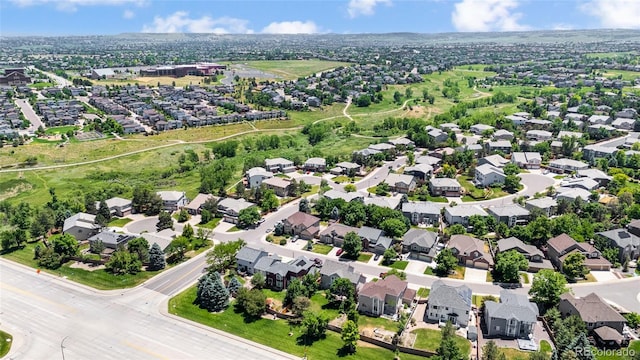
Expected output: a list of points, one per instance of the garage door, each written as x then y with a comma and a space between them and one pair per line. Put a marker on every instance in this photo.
469, 263
424, 257
481, 265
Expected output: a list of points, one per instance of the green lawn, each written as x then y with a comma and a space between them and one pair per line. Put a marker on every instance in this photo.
634, 346
364, 257
119, 222
321, 249
400, 265
515, 354
425, 197
377, 322
545, 346
273, 333
429, 339
234, 229
424, 292
5, 343
60, 129
476, 194
525, 277
211, 224
429, 271
41, 85
293, 69
341, 179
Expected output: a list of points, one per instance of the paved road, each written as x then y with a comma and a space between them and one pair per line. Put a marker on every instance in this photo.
60, 81
44, 313
31, 115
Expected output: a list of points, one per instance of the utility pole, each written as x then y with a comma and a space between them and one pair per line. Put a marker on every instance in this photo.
62, 346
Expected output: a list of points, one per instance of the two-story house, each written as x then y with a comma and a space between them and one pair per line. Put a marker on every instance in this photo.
422, 212
230, 208
256, 175
247, 258
384, 297
449, 303
545, 204
488, 175
460, 214
470, 252
315, 164
280, 274
444, 187
527, 160
173, 200
279, 165
559, 247
332, 270
334, 234
81, 225
600, 318
513, 317
301, 224
627, 243
512, 214
420, 244
534, 256
400, 183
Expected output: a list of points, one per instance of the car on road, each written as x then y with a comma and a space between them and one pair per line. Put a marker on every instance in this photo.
261, 221
269, 230
340, 251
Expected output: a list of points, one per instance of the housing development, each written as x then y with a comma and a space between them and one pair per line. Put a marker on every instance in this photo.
395, 196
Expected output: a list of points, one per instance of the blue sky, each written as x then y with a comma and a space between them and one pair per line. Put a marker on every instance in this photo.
82, 17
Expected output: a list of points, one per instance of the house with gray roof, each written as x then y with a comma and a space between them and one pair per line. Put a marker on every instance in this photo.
334, 234
499, 145
280, 274
628, 244
279, 165
400, 183
247, 257
527, 160
513, 317
493, 160
546, 204
117, 206
444, 187
420, 244
421, 172
595, 174
194, 207
112, 239
230, 208
582, 183
503, 134
534, 256
332, 270
346, 196
567, 165
81, 225
429, 160
374, 239
256, 175
315, 164
479, 129
264, 263
460, 214
571, 194
346, 168
402, 143
539, 135
449, 303
422, 212
511, 214
488, 175
173, 200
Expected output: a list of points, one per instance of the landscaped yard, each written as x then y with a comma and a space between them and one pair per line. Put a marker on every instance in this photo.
233, 229
400, 265
60, 129
321, 249
364, 257
428, 339
545, 346
515, 354
273, 333
211, 224
475, 194
377, 322
5, 343
622, 355
119, 222
424, 292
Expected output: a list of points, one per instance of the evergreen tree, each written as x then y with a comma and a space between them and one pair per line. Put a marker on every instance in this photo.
164, 221
233, 286
448, 349
211, 294
304, 206
104, 214
156, 258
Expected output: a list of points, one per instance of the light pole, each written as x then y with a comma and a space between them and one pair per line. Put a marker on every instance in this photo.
62, 346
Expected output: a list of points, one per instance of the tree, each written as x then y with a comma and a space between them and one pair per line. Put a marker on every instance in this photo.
269, 201
573, 266
205, 216
177, 248
248, 217
350, 188
258, 281
49, 259
511, 183
350, 335
314, 326
310, 283
183, 215
223, 255
633, 319
352, 245
300, 305
146, 201
294, 289
234, 285
490, 351
547, 286
157, 260
96, 247
104, 214
252, 302
394, 227
123, 262
456, 229
44, 221
65, 245
164, 221
389, 256
445, 261
187, 231
448, 349
511, 169
211, 294
140, 248
508, 266
303, 206
342, 290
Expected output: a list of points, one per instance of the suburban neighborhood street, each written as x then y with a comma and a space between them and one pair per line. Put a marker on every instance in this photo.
28, 112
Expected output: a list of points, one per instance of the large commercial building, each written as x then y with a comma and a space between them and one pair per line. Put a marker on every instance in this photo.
202, 69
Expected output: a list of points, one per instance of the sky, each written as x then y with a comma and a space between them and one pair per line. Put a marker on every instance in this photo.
99, 17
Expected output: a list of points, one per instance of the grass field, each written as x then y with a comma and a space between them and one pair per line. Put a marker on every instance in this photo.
119, 222
424, 292
154, 80
6, 340
321, 249
377, 322
515, 354
41, 85
363, 257
60, 129
294, 69
400, 265
625, 74
273, 333
429, 339
211, 224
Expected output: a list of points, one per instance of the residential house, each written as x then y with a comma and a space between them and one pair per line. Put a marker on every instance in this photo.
429, 160
346, 196
264, 263
420, 244
503, 146
422, 213
488, 175
247, 258
513, 317
301, 224
194, 207
173, 200
539, 135
516, 120
582, 183
596, 174
280, 274
527, 160
479, 129
371, 240
437, 135
400, 183
493, 160
315, 164
333, 270
256, 175
278, 185
599, 119
567, 165
391, 202
559, 247
571, 194
230, 208
402, 143
346, 168
81, 225
593, 310
627, 243
384, 297
534, 256
449, 303
421, 172
460, 214
470, 251
502, 134
445, 187
112, 239
624, 124
279, 165
562, 134
512, 214
546, 204
117, 206
334, 234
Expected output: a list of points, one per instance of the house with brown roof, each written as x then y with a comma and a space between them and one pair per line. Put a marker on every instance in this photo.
384, 297
304, 225
559, 247
470, 251
279, 185
597, 315
194, 207
334, 234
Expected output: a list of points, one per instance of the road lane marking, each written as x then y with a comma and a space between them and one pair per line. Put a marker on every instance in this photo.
37, 297
160, 289
144, 350
159, 343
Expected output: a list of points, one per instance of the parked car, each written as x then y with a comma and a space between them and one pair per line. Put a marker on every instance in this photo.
269, 230
294, 239
340, 251
377, 257
318, 261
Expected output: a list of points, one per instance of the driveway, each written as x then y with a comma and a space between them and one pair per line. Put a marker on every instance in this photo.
604, 276
475, 275
416, 267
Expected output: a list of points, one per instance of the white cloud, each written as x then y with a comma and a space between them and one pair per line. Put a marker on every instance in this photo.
128, 14
364, 7
617, 14
487, 15
291, 27
72, 5
180, 22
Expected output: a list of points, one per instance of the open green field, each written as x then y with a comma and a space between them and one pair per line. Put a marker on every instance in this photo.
154, 80
273, 333
41, 85
294, 69
428, 339
60, 129
6, 340
625, 74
